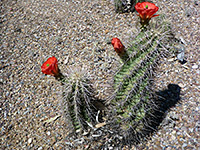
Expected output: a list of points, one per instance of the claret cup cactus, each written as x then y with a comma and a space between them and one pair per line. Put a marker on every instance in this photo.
78, 101
133, 109
133, 103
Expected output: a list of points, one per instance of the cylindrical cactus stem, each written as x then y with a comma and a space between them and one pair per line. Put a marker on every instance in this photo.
78, 100
133, 105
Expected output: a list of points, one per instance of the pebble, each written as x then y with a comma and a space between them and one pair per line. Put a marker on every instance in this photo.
66, 60
181, 85
40, 148
30, 140
195, 66
48, 133
171, 59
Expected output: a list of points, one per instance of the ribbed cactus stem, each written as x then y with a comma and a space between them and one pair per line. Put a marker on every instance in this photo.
132, 100
78, 100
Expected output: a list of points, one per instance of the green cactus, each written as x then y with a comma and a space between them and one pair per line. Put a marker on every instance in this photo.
77, 103
133, 107
132, 104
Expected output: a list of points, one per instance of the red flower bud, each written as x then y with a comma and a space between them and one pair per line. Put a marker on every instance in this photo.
146, 11
50, 67
118, 46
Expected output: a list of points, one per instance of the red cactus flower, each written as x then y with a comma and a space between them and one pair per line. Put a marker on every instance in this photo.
118, 46
146, 11
50, 67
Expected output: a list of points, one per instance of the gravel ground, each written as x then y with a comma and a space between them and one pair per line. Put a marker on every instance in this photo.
77, 32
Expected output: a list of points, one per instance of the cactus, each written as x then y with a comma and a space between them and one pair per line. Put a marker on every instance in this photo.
122, 6
133, 104
77, 103
135, 109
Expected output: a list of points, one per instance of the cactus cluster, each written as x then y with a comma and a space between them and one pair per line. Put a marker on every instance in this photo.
134, 108
134, 105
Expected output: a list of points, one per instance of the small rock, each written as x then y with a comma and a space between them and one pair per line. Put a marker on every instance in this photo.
181, 85
171, 59
95, 135
173, 132
197, 109
195, 66
40, 148
30, 140
48, 133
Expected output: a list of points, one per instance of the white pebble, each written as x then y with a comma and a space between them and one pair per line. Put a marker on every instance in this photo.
195, 66
48, 133
40, 148
181, 85
30, 140
66, 60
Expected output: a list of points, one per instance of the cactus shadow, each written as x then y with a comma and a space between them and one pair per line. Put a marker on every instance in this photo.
169, 97
164, 100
